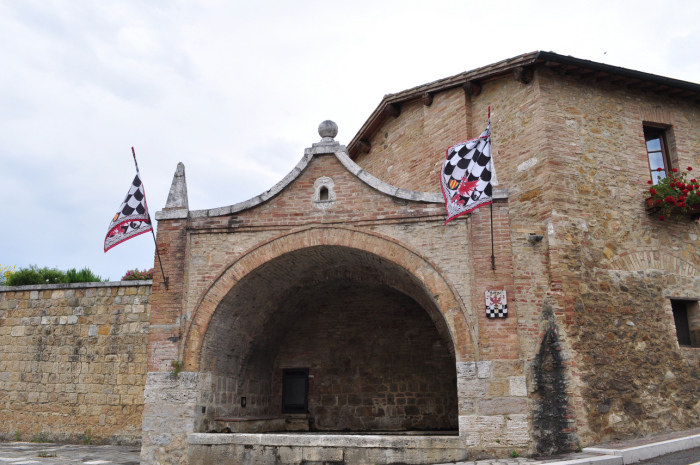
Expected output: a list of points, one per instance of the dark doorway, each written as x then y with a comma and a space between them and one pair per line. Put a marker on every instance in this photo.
680, 318
295, 390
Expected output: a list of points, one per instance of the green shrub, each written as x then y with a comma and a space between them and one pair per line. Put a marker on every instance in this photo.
87, 436
82, 276
36, 275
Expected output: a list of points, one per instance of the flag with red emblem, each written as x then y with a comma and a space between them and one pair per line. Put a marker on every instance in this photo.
132, 218
467, 175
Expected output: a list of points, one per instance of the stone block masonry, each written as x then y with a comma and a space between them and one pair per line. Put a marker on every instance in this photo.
73, 361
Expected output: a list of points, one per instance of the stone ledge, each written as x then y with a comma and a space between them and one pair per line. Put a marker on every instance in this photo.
329, 440
47, 287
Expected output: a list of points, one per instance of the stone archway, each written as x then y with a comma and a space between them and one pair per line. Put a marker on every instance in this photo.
379, 343
445, 302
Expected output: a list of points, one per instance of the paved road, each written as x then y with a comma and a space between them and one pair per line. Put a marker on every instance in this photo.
21, 453
685, 457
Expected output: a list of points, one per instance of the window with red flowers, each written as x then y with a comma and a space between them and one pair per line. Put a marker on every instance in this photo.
657, 153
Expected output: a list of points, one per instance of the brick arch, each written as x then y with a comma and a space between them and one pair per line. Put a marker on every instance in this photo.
461, 327
654, 259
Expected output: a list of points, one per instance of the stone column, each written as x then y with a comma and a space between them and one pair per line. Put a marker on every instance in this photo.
170, 401
171, 413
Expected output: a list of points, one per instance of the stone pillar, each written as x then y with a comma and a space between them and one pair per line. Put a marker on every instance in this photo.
492, 408
171, 413
170, 402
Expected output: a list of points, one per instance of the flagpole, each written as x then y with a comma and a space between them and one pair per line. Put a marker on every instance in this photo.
493, 257
166, 281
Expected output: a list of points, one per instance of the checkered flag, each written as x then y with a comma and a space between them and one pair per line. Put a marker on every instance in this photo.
467, 175
132, 218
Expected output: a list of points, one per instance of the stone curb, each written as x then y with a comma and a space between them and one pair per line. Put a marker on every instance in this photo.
648, 451
600, 460
47, 287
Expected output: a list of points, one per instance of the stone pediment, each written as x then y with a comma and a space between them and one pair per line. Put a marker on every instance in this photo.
327, 146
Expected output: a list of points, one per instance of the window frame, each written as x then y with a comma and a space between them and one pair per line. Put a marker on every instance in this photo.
661, 132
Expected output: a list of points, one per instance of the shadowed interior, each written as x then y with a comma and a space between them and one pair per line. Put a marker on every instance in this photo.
378, 351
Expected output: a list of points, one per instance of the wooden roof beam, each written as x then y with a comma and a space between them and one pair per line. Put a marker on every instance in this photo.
364, 146
523, 74
472, 88
392, 109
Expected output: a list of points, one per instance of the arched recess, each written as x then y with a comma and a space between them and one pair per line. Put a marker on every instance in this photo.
654, 259
438, 298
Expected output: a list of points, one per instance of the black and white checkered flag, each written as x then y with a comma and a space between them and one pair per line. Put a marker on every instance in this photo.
467, 175
132, 218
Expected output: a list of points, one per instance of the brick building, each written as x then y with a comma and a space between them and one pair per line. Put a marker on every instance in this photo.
338, 301
339, 314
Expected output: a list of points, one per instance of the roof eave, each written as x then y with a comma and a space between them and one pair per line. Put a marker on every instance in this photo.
496, 70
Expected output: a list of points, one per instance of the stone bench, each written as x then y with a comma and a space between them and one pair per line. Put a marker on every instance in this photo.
262, 423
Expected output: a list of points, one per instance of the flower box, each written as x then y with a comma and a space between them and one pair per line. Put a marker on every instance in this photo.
674, 196
652, 208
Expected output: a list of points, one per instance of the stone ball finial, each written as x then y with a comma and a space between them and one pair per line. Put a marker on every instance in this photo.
328, 129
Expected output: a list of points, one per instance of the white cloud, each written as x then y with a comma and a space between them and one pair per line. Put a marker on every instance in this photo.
226, 86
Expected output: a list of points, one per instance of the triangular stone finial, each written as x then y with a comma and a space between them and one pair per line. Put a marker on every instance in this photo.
177, 198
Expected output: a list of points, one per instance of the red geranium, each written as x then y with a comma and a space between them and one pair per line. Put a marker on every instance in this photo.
690, 168
662, 218
671, 195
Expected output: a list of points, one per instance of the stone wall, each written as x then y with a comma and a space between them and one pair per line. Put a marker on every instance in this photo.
618, 266
73, 361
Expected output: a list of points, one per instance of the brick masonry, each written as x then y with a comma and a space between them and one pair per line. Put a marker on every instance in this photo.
587, 354
247, 275
73, 362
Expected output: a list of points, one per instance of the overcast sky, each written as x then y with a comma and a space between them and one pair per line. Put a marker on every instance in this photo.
236, 89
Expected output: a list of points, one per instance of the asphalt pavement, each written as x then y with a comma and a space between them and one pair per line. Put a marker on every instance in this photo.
685, 457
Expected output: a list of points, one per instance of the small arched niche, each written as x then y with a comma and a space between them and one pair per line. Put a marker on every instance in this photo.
324, 193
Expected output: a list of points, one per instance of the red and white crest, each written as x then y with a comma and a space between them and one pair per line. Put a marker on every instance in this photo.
496, 304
